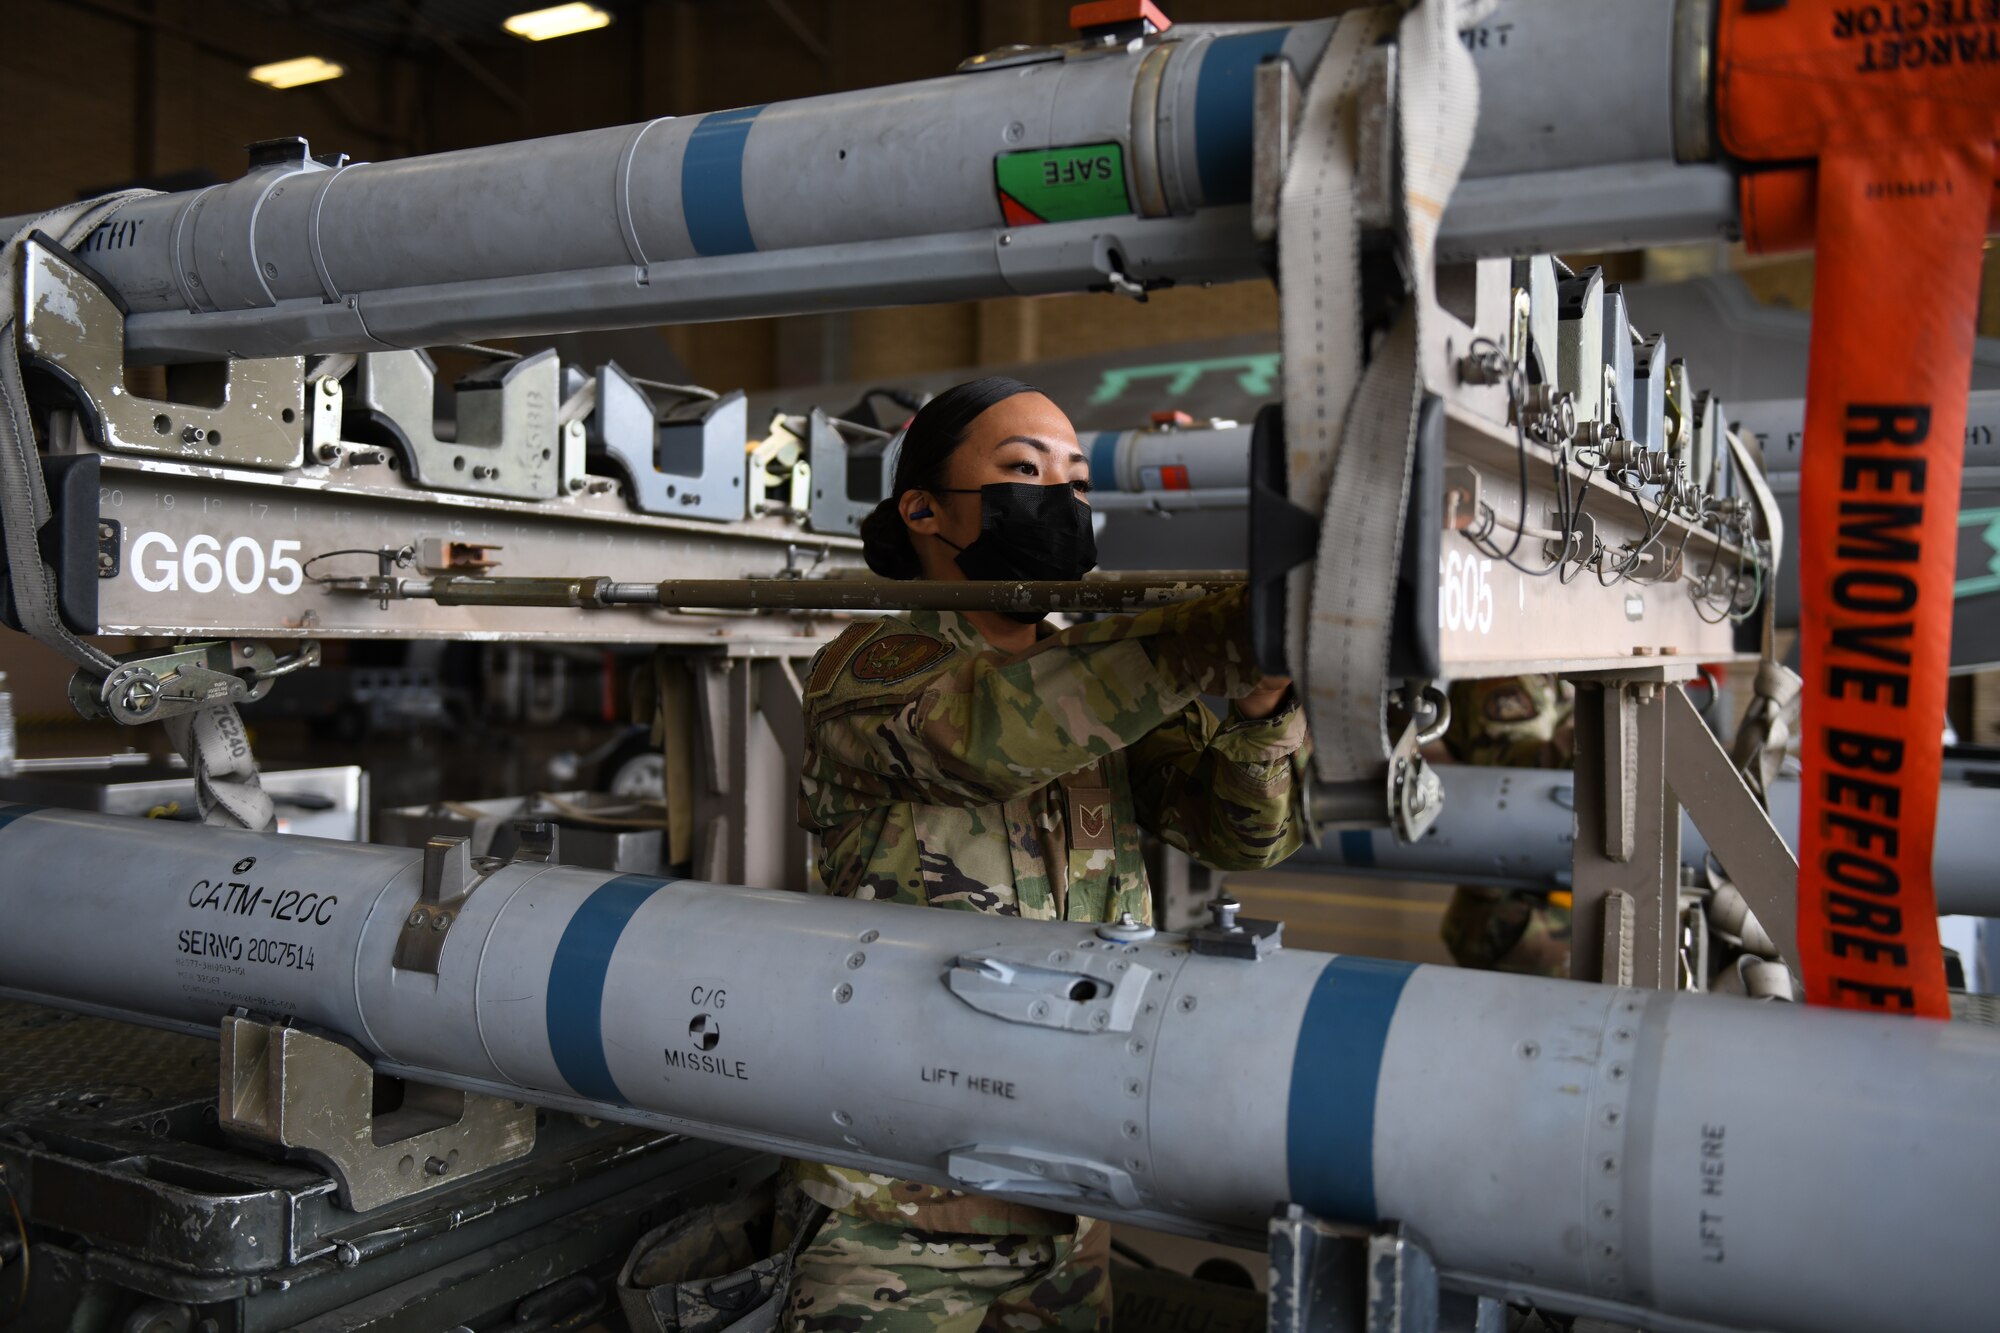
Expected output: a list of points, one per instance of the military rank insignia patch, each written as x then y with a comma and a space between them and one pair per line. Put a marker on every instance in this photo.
895, 657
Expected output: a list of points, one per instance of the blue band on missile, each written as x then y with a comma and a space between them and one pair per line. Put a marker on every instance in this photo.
10, 813
1104, 461
1225, 112
576, 982
1357, 846
1330, 1120
712, 183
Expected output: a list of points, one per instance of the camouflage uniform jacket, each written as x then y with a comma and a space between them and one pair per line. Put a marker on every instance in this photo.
940, 771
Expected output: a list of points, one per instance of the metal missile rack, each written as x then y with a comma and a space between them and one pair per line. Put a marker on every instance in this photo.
1580, 511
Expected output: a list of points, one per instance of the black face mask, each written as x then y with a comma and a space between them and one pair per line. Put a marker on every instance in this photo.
1027, 532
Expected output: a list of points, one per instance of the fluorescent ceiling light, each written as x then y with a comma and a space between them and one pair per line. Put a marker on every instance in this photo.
293, 73
541, 24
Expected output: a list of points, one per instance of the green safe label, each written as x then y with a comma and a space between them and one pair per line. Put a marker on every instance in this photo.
1062, 184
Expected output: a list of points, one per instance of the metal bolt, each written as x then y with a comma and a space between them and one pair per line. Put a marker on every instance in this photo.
1039, 1009
435, 1166
842, 1118
1187, 1004
416, 917
193, 434
1222, 913
1529, 1049
856, 959
1126, 929
870, 936
843, 993
441, 921
1133, 1087
1132, 1130
104, 560
1100, 1019
105, 532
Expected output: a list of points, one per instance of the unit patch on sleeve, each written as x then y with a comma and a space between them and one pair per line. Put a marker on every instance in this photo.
827, 665
895, 657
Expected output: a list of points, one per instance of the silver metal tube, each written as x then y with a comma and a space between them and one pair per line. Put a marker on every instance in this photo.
882, 196
1705, 1157
1573, 83
1515, 827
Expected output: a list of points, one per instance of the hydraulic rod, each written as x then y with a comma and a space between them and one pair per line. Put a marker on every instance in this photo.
837, 594
896, 195
1710, 1158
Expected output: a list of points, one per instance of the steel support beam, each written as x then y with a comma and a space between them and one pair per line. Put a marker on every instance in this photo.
1626, 869
1739, 832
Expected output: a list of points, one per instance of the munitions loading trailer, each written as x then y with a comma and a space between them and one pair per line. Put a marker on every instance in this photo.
1478, 467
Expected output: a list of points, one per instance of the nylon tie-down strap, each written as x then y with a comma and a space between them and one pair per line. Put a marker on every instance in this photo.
1350, 434
1899, 129
212, 740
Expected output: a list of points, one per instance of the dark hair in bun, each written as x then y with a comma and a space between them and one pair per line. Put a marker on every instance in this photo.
937, 430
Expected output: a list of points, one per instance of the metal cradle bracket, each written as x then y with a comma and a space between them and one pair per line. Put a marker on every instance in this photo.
507, 434
851, 471
1334, 1278
314, 1098
687, 465
242, 413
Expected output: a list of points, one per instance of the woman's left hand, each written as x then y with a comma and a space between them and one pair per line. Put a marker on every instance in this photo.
1266, 699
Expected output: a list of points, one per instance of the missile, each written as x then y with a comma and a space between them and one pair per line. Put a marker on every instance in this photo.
1515, 828
1091, 167
1588, 1147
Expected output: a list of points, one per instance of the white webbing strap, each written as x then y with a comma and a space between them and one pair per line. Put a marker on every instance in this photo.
1319, 274
1353, 581
227, 790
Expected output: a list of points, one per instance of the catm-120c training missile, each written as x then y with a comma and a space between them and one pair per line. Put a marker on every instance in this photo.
1755, 1165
